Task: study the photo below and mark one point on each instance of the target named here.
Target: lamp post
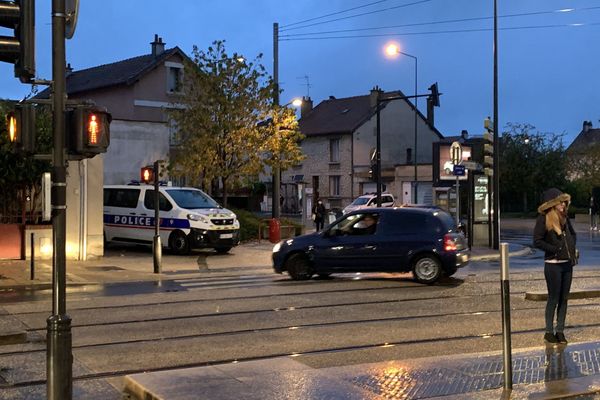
(392, 50)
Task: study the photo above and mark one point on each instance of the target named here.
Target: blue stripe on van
(142, 221)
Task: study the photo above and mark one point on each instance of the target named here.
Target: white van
(189, 218)
(369, 200)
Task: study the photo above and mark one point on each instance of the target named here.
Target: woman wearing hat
(554, 234)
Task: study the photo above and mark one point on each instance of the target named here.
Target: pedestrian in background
(554, 234)
(318, 212)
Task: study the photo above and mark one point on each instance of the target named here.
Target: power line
(359, 15)
(447, 31)
(335, 13)
(441, 22)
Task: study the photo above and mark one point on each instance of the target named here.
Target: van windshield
(191, 199)
(361, 201)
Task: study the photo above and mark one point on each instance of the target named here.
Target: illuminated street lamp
(393, 50)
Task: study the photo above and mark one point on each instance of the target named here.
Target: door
(350, 245)
(120, 213)
(147, 212)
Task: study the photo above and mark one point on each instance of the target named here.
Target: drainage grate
(398, 383)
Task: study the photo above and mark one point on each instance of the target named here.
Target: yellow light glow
(12, 128)
(93, 129)
(392, 49)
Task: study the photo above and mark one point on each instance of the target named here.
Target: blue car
(424, 241)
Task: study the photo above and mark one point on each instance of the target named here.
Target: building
(137, 92)
(340, 140)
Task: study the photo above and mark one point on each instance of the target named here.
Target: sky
(547, 70)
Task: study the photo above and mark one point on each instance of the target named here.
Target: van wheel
(178, 243)
(427, 269)
(299, 267)
(222, 250)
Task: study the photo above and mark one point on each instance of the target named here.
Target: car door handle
(131, 213)
(370, 247)
(144, 214)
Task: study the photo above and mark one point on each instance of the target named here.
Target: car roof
(411, 210)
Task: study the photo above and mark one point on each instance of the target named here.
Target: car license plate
(226, 235)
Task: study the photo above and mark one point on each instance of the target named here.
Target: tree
(222, 102)
(530, 162)
(281, 138)
(584, 170)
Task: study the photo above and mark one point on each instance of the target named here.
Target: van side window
(163, 203)
(126, 198)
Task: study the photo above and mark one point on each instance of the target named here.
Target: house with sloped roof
(340, 139)
(137, 92)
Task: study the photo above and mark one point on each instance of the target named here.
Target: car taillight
(450, 243)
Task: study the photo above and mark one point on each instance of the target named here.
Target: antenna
(307, 84)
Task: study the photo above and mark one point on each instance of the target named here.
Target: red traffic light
(93, 129)
(147, 174)
(89, 131)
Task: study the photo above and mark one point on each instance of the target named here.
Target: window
(126, 198)
(334, 150)
(334, 185)
(174, 78)
(409, 223)
(163, 203)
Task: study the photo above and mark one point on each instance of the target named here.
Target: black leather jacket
(555, 246)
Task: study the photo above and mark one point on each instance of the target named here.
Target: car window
(387, 199)
(402, 223)
(357, 224)
(126, 198)
(447, 221)
(361, 201)
(163, 203)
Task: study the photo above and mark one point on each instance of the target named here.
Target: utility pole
(496, 176)
(59, 359)
(276, 168)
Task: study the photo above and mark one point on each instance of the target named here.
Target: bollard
(506, 343)
(32, 259)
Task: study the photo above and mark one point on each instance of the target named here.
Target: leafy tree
(20, 175)
(223, 100)
(530, 162)
(584, 170)
(281, 138)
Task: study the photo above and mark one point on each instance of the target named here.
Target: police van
(189, 218)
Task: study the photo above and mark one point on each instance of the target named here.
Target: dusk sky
(548, 56)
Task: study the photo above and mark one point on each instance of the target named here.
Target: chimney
(376, 92)
(464, 134)
(306, 107)
(68, 69)
(158, 46)
(587, 125)
(430, 115)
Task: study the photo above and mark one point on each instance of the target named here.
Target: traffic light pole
(496, 176)
(59, 360)
(276, 209)
(157, 246)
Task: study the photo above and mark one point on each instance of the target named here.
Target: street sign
(456, 153)
(459, 170)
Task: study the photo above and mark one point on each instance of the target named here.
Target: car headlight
(277, 247)
(196, 217)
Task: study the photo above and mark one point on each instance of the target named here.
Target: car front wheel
(299, 267)
(178, 243)
(427, 269)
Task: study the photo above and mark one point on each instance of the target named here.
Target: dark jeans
(319, 224)
(558, 280)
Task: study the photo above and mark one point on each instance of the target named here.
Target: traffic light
(20, 126)
(147, 174)
(488, 147)
(373, 172)
(89, 131)
(435, 95)
(19, 49)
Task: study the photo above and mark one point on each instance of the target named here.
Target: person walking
(319, 215)
(554, 234)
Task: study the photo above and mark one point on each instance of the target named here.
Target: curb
(496, 255)
(13, 338)
(573, 295)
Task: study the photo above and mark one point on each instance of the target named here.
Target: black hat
(551, 198)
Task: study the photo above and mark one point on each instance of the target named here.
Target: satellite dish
(71, 11)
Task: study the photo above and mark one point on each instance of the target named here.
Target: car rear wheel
(299, 267)
(427, 269)
(178, 243)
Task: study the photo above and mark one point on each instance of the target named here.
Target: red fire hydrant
(274, 230)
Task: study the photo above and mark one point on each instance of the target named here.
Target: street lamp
(392, 50)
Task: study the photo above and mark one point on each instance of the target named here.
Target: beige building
(340, 138)
(137, 92)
